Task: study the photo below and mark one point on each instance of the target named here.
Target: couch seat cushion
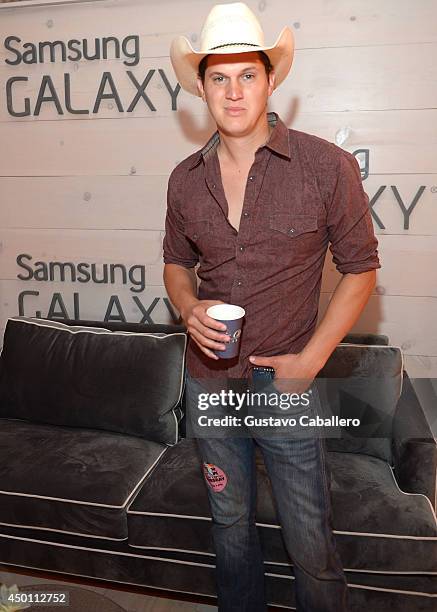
(377, 526)
(69, 479)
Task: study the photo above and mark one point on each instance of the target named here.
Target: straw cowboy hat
(230, 28)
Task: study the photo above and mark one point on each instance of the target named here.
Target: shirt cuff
(358, 268)
(185, 263)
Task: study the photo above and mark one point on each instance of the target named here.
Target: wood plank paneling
(113, 147)
(92, 202)
(140, 251)
(138, 201)
(321, 80)
(422, 366)
(409, 322)
(406, 320)
(92, 187)
(134, 246)
(84, 301)
(408, 267)
(344, 23)
(401, 256)
(154, 146)
(318, 23)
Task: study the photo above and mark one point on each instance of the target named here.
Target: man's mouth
(234, 110)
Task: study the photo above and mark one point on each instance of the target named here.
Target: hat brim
(185, 60)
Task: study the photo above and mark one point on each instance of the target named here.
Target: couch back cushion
(81, 376)
(363, 382)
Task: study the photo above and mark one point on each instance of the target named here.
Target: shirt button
(195, 236)
(291, 230)
(251, 178)
(239, 283)
(213, 185)
(245, 214)
(241, 248)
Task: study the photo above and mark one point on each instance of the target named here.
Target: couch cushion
(364, 382)
(78, 376)
(71, 480)
(363, 338)
(131, 326)
(377, 526)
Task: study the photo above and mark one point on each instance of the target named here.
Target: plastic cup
(232, 317)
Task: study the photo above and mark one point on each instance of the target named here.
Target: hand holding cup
(231, 316)
(208, 333)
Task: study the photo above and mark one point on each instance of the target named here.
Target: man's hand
(293, 373)
(204, 330)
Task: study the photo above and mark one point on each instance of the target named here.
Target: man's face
(236, 90)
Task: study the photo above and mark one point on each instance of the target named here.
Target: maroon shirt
(303, 193)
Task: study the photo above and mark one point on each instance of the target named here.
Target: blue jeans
(300, 480)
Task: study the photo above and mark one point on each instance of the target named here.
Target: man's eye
(249, 75)
(217, 79)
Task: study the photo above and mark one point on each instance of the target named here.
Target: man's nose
(234, 90)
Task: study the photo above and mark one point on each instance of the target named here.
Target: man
(256, 208)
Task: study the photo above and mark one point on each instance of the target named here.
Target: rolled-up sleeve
(353, 243)
(177, 249)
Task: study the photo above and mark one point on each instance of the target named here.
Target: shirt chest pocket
(294, 238)
(198, 232)
(207, 236)
(293, 226)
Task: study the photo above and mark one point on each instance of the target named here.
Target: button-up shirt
(302, 195)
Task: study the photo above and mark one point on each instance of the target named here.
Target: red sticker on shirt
(215, 477)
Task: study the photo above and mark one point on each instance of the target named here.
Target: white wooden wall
(91, 188)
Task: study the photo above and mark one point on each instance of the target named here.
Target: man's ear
(200, 88)
(271, 79)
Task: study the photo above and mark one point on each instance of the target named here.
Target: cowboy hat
(230, 28)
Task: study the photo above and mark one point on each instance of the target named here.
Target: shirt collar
(278, 141)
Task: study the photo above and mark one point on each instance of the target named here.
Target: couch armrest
(414, 447)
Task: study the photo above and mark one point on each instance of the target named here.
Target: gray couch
(98, 479)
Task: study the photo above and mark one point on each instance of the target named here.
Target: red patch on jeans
(215, 477)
